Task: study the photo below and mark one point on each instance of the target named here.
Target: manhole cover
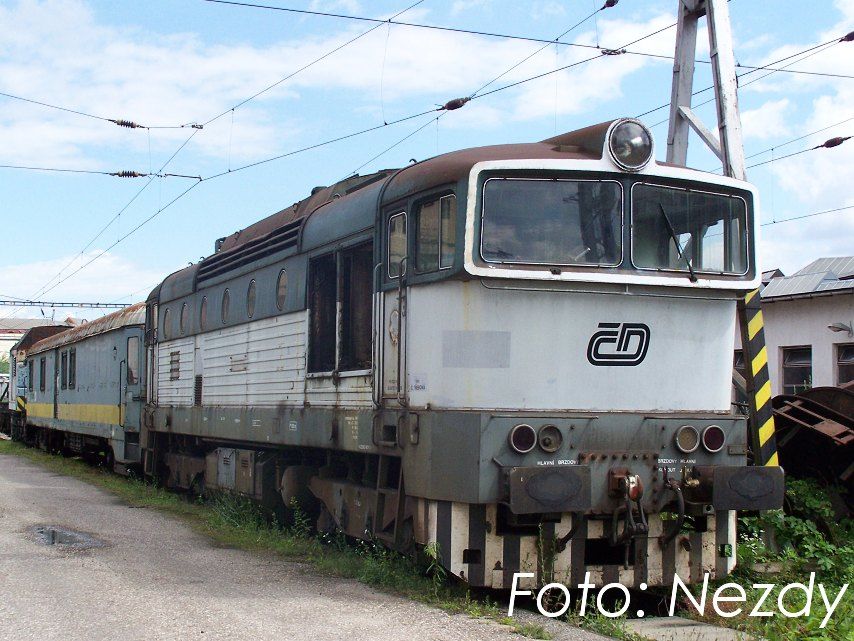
(65, 538)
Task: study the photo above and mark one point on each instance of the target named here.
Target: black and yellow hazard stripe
(22, 404)
(758, 380)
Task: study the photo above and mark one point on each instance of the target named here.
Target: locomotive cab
(578, 362)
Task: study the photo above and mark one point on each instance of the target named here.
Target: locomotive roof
(348, 206)
(131, 315)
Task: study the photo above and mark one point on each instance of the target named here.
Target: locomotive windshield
(552, 222)
(686, 230)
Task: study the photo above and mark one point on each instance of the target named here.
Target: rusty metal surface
(583, 144)
(131, 315)
(34, 335)
(816, 433)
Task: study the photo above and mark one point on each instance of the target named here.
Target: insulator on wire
(848, 37)
(456, 103)
(128, 174)
(612, 52)
(833, 142)
(608, 4)
(127, 123)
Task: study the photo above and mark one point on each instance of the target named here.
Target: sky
(169, 64)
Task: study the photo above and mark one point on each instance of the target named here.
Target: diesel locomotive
(520, 354)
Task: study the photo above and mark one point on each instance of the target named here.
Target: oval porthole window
(250, 299)
(226, 301)
(166, 319)
(185, 317)
(203, 313)
(281, 289)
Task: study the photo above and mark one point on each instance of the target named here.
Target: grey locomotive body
(520, 354)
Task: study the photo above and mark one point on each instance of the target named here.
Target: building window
(435, 234)
(30, 377)
(42, 373)
(167, 330)
(226, 302)
(203, 313)
(63, 372)
(797, 369)
(185, 318)
(133, 360)
(72, 368)
(844, 364)
(396, 244)
(250, 299)
(281, 289)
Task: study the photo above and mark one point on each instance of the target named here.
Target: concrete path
(679, 629)
(154, 578)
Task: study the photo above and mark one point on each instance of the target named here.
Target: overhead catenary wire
(115, 174)
(196, 129)
(827, 144)
(812, 215)
(768, 66)
(789, 142)
(312, 63)
(491, 34)
(450, 105)
(120, 122)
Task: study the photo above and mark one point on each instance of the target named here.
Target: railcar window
(30, 377)
(133, 360)
(226, 302)
(185, 318)
(72, 368)
(63, 372)
(797, 369)
(448, 230)
(845, 364)
(167, 328)
(203, 313)
(434, 234)
(281, 289)
(250, 299)
(396, 244)
(551, 222)
(356, 267)
(672, 228)
(322, 301)
(42, 373)
(340, 297)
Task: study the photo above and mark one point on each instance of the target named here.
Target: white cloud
(766, 121)
(56, 51)
(110, 278)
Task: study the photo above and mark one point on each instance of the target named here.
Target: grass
(237, 522)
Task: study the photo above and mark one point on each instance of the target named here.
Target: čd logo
(618, 344)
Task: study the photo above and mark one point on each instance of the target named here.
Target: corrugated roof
(841, 266)
(132, 315)
(822, 275)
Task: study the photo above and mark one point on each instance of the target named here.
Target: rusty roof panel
(131, 315)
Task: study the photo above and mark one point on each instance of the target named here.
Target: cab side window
(435, 235)
(396, 244)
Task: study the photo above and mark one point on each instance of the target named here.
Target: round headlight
(687, 439)
(523, 438)
(630, 144)
(550, 438)
(713, 438)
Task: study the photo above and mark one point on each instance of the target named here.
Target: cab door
(393, 317)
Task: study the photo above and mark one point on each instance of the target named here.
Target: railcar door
(393, 301)
(131, 385)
